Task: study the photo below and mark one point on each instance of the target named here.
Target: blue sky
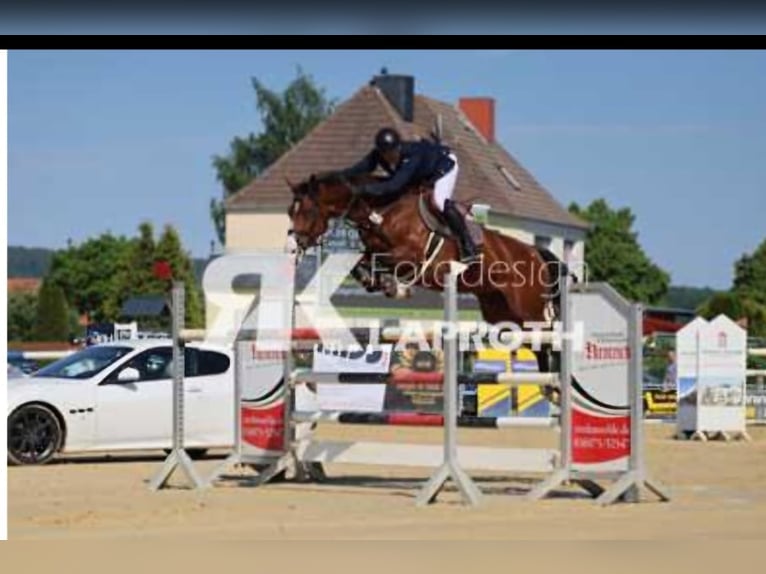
(102, 140)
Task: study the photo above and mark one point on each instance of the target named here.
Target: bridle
(362, 224)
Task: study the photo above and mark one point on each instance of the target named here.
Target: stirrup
(468, 259)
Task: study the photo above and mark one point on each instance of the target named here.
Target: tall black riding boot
(468, 251)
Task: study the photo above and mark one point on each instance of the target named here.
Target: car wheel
(34, 435)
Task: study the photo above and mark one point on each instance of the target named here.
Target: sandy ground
(718, 489)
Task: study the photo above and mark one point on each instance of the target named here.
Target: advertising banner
(710, 378)
(600, 373)
(352, 359)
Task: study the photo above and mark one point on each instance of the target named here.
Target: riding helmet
(387, 139)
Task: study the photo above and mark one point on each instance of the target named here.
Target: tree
(722, 303)
(750, 275)
(613, 254)
(28, 261)
(52, 322)
(286, 117)
(136, 270)
(87, 273)
(747, 297)
(99, 275)
(685, 297)
(736, 307)
(169, 249)
(22, 316)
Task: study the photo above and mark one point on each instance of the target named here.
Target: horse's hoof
(391, 293)
(403, 293)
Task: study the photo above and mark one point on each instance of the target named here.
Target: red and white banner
(262, 395)
(600, 390)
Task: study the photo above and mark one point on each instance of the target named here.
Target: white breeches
(445, 185)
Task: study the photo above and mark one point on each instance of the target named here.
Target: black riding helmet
(387, 139)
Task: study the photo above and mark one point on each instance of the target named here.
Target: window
(568, 250)
(212, 363)
(542, 242)
(152, 365)
(84, 364)
(509, 177)
(191, 362)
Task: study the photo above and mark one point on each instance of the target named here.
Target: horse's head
(316, 201)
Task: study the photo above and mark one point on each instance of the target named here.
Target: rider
(415, 162)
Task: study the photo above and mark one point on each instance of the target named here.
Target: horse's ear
(289, 183)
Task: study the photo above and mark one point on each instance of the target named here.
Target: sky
(103, 140)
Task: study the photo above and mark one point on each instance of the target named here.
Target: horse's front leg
(378, 279)
(363, 274)
(396, 279)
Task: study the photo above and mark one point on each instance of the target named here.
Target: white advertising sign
(710, 378)
(352, 359)
(341, 397)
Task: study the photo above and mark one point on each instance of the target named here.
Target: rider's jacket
(419, 162)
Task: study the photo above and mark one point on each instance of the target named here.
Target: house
(24, 285)
(31, 285)
(519, 206)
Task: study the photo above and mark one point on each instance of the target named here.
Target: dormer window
(510, 178)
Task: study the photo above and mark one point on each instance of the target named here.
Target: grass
(403, 313)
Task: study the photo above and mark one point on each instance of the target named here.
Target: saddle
(434, 221)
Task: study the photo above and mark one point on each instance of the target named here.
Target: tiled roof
(488, 174)
(23, 284)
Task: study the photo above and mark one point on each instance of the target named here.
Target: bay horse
(513, 281)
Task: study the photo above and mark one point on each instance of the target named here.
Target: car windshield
(14, 372)
(84, 364)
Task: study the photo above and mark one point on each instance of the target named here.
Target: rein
(364, 223)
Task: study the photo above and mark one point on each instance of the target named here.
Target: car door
(137, 415)
(209, 386)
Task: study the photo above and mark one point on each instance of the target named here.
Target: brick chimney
(481, 113)
(399, 91)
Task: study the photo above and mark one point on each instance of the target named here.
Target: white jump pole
(178, 456)
(450, 467)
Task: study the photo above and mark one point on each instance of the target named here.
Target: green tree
(136, 270)
(75, 329)
(286, 118)
(750, 275)
(87, 272)
(747, 297)
(685, 297)
(169, 249)
(613, 254)
(736, 307)
(722, 303)
(28, 261)
(22, 316)
(52, 322)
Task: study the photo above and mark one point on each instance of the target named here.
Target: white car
(118, 396)
(15, 373)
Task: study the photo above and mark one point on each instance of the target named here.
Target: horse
(513, 281)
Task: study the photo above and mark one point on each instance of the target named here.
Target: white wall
(256, 230)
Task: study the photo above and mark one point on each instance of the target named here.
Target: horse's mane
(335, 178)
(308, 186)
